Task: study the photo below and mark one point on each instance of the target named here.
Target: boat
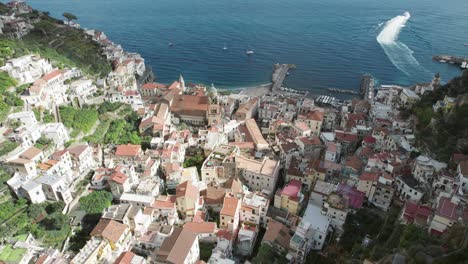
(466, 44)
(224, 47)
(170, 44)
(249, 52)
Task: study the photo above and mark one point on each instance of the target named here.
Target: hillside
(444, 133)
(64, 45)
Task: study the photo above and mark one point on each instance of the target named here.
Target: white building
(254, 208)
(57, 133)
(28, 68)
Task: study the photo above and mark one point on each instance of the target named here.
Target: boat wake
(399, 54)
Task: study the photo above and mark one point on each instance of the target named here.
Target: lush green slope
(444, 133)
(64, 45)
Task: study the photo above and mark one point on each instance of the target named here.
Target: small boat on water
(225, 47)
(466, 44)
(170, 44)
(249, 52)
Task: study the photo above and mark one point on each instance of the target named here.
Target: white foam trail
(399, 54)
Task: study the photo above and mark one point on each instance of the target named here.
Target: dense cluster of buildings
(273, 162)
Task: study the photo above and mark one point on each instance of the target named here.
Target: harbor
(462, 62)
(280, 71)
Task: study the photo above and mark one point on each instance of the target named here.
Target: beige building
(258, 175)
(314, 120)
(187, 198)
(229, 215)
(257, 137)
(220, 165)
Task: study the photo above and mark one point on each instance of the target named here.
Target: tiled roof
(187, 189)
(128, 150)
(201, 227)
(30, 153)
(109, 229)
(230, 206)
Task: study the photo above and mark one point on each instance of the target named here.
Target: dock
(280, 71)
(345, 91)
(462, 62)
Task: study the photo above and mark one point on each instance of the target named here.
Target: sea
(331, 42)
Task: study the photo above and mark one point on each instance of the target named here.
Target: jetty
(367, 87)
(462, 62)
(345, 91)
(280, 71)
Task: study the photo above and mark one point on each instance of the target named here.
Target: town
(119, 168)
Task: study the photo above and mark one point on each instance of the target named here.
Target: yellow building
(290, 197)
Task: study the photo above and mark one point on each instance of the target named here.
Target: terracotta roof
(153, 86)
(164, 202)
(128, 150)
(182, 246)
(369, 139)
(315, 115)
(450, 210)
(214, 195)
(52, 75)
(125, 258)
(345, 137)
(191, 105)
(224, 233)
(30, 153)
(130, 92)
(109, 229)
(354, 162)
(77, 150)
(187, 189)
(230, 206)
(118, 177)
(413, 211)
(309, 141)
(277, 233)
(201, 227)
(369, 176)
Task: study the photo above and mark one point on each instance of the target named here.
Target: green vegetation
(96, 202)
(6, 82)
(109, 107)
(4, 176)
(124, 131)
(444, 133)
(69, 16)
(206, 250)
(17, 218)
(80, 119)
(7, 146)
(48, 117)
(64, 45)
(42, 142)
(194, 157)
(267, 254)
(99, 133)
(7, 99)
(10, 255)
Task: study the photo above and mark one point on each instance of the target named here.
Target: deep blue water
(332, 42)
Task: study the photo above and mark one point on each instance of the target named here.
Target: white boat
(170, 44)
(225, 47)
(249, 52)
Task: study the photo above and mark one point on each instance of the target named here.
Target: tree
(55, 207)
(267, 254)
(69, 16)
(96, 202)
(56, 221)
